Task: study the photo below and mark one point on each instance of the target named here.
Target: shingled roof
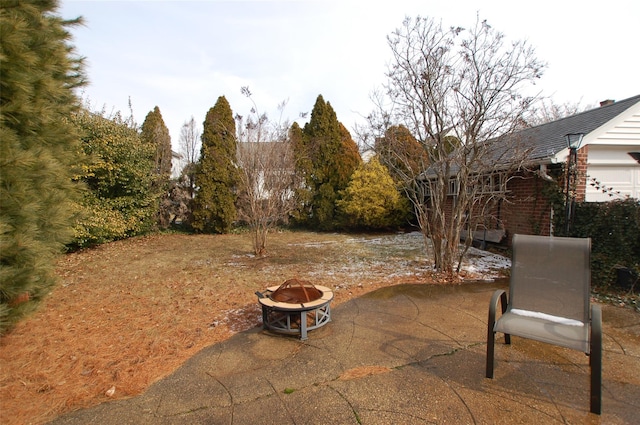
(547, 140)
(543, 143)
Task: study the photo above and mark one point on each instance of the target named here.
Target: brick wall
(526, 209)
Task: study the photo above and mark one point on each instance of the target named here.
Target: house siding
(610, 165)
(623, 130)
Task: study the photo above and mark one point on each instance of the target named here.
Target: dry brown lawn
(128, 313)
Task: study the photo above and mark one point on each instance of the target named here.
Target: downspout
(542, 172)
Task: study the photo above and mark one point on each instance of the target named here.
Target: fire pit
(295, 307)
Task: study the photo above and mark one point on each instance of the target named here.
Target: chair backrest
(551, 275)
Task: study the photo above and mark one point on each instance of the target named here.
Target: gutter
(542, 173)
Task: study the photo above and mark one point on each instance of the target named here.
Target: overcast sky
(182, 55)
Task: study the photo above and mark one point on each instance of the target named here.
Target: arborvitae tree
(372, 200)
(156, 134)
(332, 157)
(121, 200)
(39, 150)
(214, 208)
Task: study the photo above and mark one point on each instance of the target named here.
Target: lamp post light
(573, 143)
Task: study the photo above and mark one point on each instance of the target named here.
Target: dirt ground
(127, 314)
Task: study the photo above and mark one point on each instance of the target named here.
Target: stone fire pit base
(295, 318)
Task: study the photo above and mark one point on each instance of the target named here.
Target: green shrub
(614, 229)
(120, 200)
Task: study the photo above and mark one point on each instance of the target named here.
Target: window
(454, 187)
(488, 184)
(493, 183)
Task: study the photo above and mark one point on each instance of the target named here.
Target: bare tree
(546, 111)
(267, 178)
(457, 92)
(190, 151)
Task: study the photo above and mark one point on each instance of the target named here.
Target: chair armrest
(498, 295)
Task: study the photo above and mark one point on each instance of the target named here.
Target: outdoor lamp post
(573, 143)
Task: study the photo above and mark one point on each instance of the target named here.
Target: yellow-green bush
(372, 200)
(120, 200)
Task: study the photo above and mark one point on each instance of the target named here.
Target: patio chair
(549, 301)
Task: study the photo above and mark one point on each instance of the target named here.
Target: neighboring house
(608, 162)
(268, 166)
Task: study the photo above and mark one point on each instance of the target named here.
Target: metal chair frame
(548, 326)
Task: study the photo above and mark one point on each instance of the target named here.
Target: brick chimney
(607, 102)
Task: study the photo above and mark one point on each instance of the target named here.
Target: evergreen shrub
(614, 229)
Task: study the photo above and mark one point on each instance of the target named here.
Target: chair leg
(491, 335)
(595, 360)
(490, 348)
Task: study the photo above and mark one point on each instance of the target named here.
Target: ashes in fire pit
(295, 307)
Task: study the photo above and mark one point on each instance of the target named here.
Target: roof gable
(547, 140)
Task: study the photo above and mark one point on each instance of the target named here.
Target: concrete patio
(408, 354)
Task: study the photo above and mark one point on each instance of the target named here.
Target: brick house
(608, 167)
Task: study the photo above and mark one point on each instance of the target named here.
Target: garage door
(606, 180)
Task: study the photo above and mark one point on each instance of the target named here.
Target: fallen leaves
(128, 313)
